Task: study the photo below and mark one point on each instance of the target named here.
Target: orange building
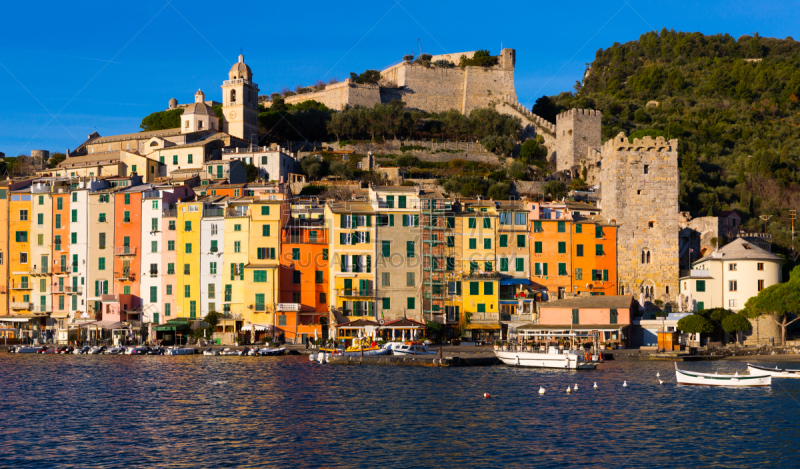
(573, 256)
(63, 267)
(127, 247)
(304, 279)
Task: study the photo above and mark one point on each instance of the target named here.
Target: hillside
(732, 103)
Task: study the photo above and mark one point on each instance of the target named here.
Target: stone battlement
(658, 144)
(578, 112)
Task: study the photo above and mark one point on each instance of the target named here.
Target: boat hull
(775, 373)
(179, 351)
(367, 353)
(707, 379)
(544, 360)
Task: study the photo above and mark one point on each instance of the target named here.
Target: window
(189, 248)
(169, 289)
(487, 243)
(40, 239)
(101, 263)
(562, 247)
(237, 246)
(187, 269)
(170, 245)
(411, 303)
(578, 273)
(127, 199)
(73, 238)
(172, 225)
(318, 276)
(260, 276)
(192, 309)
(732, 266)
(473, 222)
(562, 268)
(473, 243)
(153, 246)
(487, 267)
(323, 298)
(324, 254)
(646, 256)
(520, 265)
(576, 318)
(474, 288)
(212, 268)
(562, 227)
(540, 268)
(700, 285)
(520, 241)
(22, 236)
(598, 232)
(386, 303)
(537, 227)
(191, 160)
(760, 266)
(503, 264)
(487, 222)
(646, 168)
(733, 285)
(503, 241)
(214, 246)
(187, 291)
(59, 203)
(488, 288)
(521, 219)
(481, 307)
(58, 220)
(102, 218)
(731, 303)
(451, 241)
(126, 217)
(598, 249)
(410, 251)
(578, 228)
(214, 229)
(760, 285)
(537, 247)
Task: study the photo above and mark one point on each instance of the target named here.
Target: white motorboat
(211, 352)
(96, 350)
(268, 352)
(716, 379)
(229, 352)
(774, 372)
(25, 349)
(412, 349)
(320, 357)
(553, 358)
(116, 350)
(81, 350)
(136, 350)
(179, 351)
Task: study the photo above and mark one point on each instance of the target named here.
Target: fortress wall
(432, 89)
(363, 95)
(487, 85)
(395, 73)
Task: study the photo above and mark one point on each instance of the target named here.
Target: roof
(582, 206)
(508, 205)
(591, 302)
(394, 189)
(574, 327)
(202, 141)
(91, 159)
(739, 249)
(240, 66)
(404, 322)
(351, 207)
(358, 323)
(138, 136)
(199, 108)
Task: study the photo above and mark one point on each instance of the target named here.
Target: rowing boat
(774, 372)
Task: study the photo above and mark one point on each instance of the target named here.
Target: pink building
(607, 317)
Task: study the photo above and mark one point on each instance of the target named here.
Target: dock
(427, 361)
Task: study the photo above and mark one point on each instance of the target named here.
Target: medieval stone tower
(639, 184)
(577, 130)
(240, 102)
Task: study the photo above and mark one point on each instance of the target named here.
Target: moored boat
(142, 350)
(553, 358)
(716, 379)
(412, 348)
(24, 349)
(774, 372)
(269, 352)
(179, 351)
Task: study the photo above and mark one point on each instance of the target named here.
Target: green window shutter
(481, 307)
(578, 274)
(520, 241)
(324, 254)
(409, 249)
(401, 201)
(488, 288)
(153, 294)
(598, 232)
(474, 288)
(487, 267)
(487, 243)
(578, 228)
(701, 305)
(451, 222)
(473, 266)
(405, 219)
(473, 222)
(233, 271)
(562, 227)
(386, 303)
(265, 230)
(537, 247)
(342, 221)
(411, 302)
(562, 247)
(473, 243)
(598, 249)
(265, 210)
(241, 271)
(579, 250)
(562, 268)
(701, 285)
(451, 241)
(369, 264)
(605, 275)
(386, 248)
(613, 317)
(520, 265)
(487, 222)
(503, 264)
(537, 227)
(576, 319)
(544, 268)
(295, 254)
(101, 263)
(369, 220)
(127, 199)
(503, 241)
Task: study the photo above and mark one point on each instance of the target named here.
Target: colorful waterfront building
(262, 279)
(212, 255)
(19, 227)
(513, 262)
(169, 258)
(41, 247)
(127, 253)
(101, 256)
(352, 281)
(188, 259)
(304, 272)
(61, 248)
(237, 244)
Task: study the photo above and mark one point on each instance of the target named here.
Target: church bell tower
(240, 103)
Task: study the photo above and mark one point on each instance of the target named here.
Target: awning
(59, 315)
(257, 327)
(103, 325)
(14, 319)
(485, 327)
(515, 281)
(173, 325)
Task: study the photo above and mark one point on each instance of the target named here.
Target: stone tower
(577, 130)
(639, 183)
(240, 102)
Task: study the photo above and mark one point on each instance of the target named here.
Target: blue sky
(67, 69)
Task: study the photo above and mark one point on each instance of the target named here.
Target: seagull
(569, 390)
(660, 382)
(658, 375)
(625, 384)
(576, 386)
(541, 390)
(595, 385)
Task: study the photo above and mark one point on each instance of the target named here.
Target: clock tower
(240, 103)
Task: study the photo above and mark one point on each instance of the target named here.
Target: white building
(212, 245)
(152, 268)
(730, 276)
(273, 165)
(79, 248)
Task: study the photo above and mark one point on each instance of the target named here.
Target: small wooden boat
(774, 372)
(269, 352)
(716, 379)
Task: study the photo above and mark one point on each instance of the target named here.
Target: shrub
(555, 189)
(482, 58)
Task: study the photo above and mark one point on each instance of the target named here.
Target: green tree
(313, 167)
(342, 170)
(518, 170)
(533, 149)
(56, 158)
(735, 323)
(695, 324)
(499, 191)
(252, 172)
(555, 189)
(162, 120)
(499, 144)
(778, 302)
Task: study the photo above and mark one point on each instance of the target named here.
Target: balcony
(485, 318)
(354, 292)
(21, 286)
(73, 289)
(43, 270)
(124, 275)
(236, 213)
(289, 307)
(153, 194)
(213, 212)
(40, 308)
(125, 251)
(169, 213)
(409, 205)
(18, 305)
(62, 270)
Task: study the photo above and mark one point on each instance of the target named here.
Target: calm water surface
(197, 411)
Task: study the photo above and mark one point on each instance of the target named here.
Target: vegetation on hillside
(162, 120)
(733, 105)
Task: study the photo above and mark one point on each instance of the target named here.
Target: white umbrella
(393, 333)
(404, 335)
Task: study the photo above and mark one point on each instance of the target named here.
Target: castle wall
(484, 86)
(430, 89)
(635, 199)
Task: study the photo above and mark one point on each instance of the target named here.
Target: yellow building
(480, 303)
(262, 276)
(108, 163)
(19, 263)
(187, 294)
(352, 274)
(237, 244)
(476, 229)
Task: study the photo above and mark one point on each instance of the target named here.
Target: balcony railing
(125, 251)
(409, 205)
(169, 213)
(520, 317)
(43, 270)
(485, 317)
(355, 292)
(21, 305)
(40, 308)
(213, 212)
(289, 306)
(124, 275)
(73, 289)
(21, 286)
(236, 214)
